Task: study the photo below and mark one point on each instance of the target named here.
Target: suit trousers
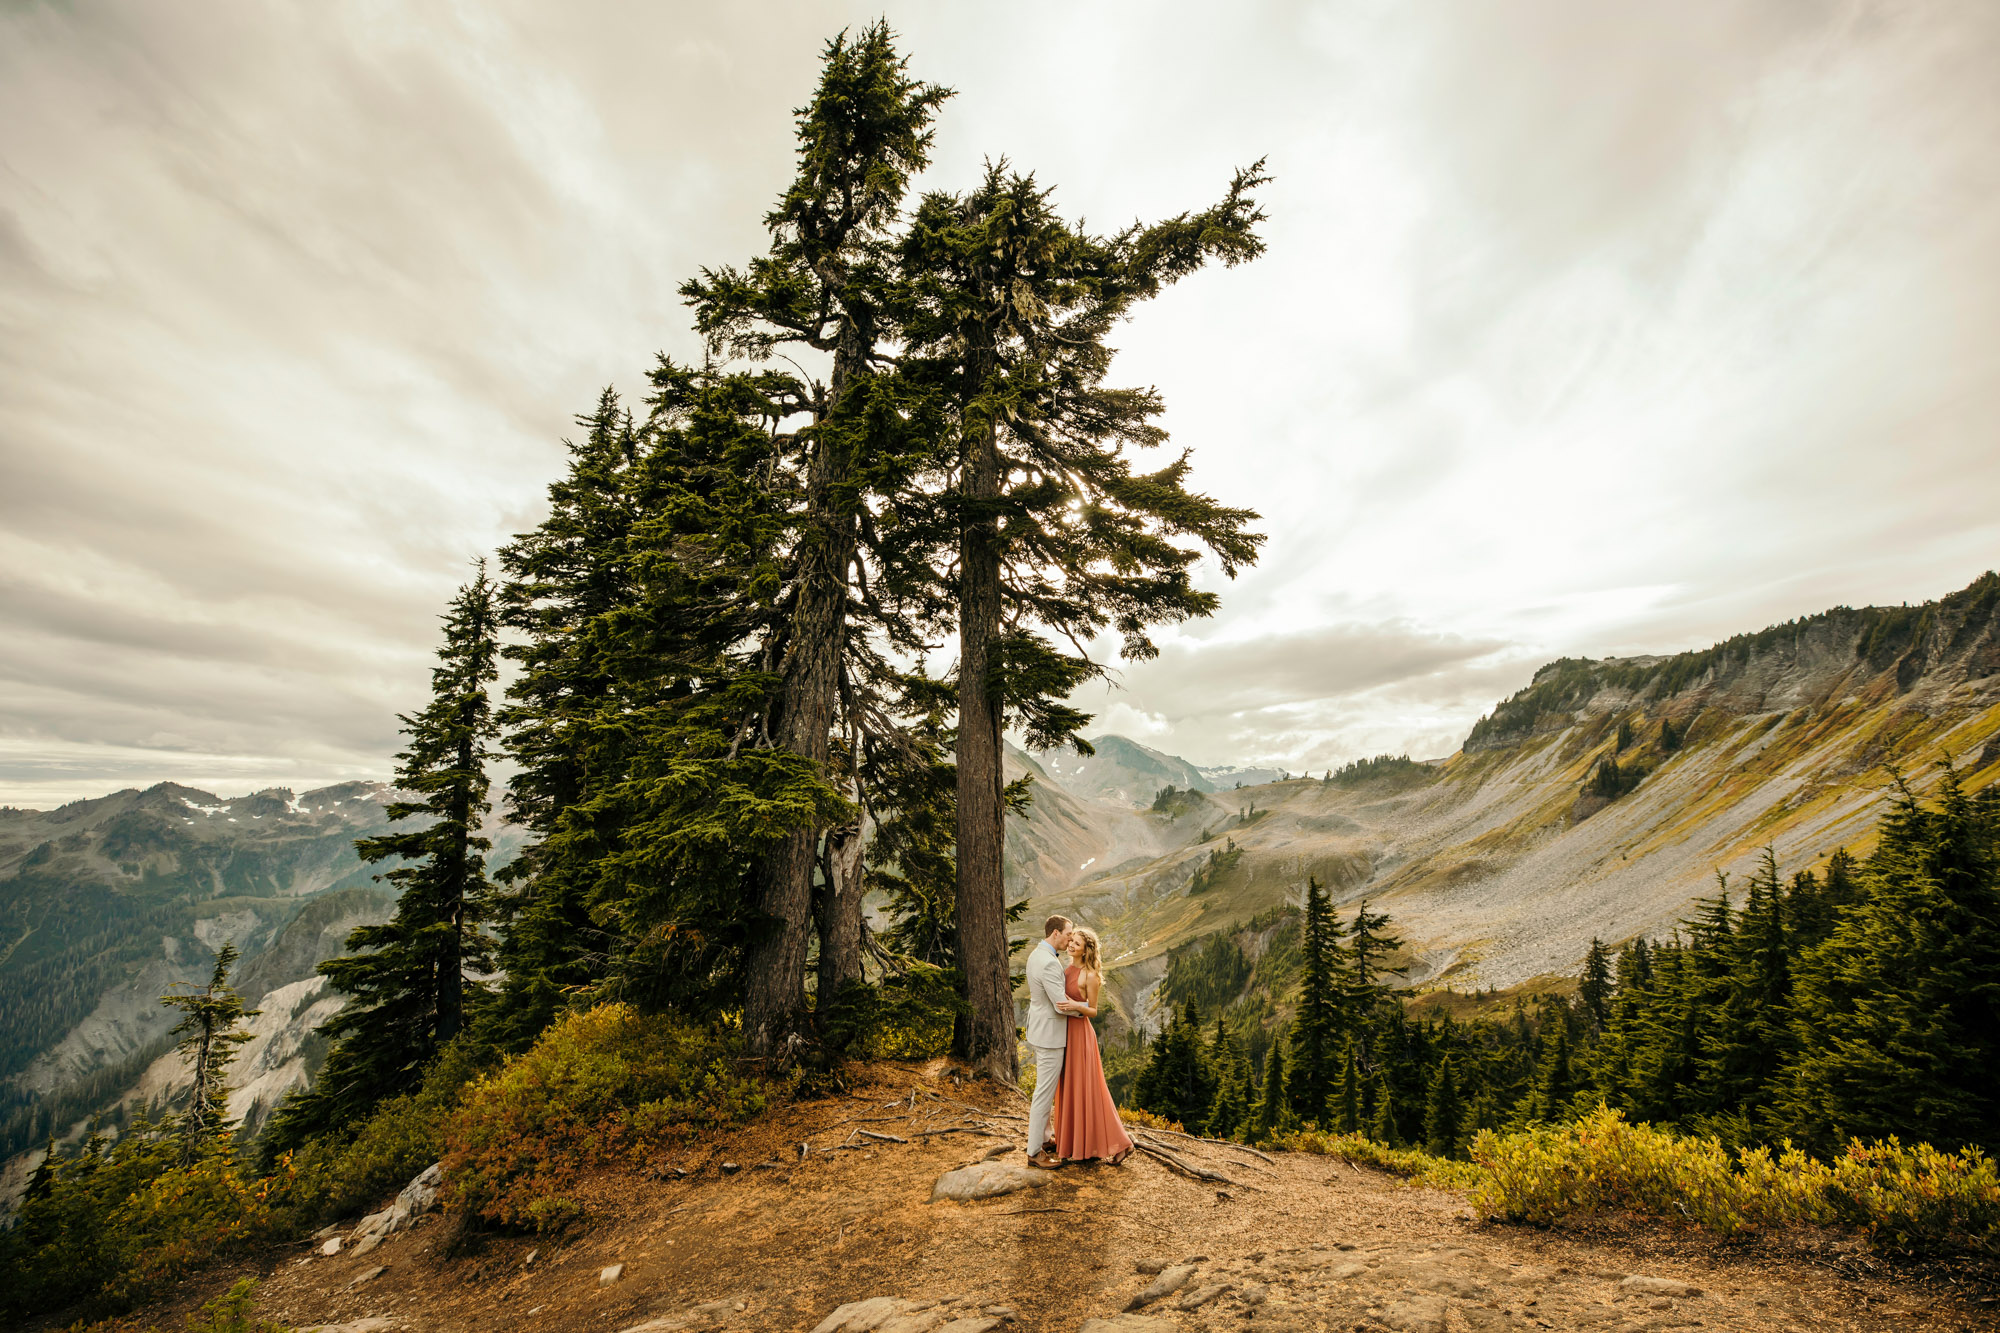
(1048, 1071)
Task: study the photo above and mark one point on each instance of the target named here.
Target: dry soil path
(784, 1241)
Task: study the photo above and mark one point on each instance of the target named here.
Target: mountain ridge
(1500, 864)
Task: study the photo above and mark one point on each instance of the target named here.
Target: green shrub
(906, 1017)
(595, 1087)
(1420, 1166)
(1902, 1198)
(111, 1225)
(339, 1177)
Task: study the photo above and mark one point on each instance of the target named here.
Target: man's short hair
(1054, 924)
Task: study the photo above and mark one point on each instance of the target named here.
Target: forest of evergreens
(1858, 1001)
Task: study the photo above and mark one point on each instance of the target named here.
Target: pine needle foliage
(412, 979)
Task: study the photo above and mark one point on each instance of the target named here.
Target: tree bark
(450, 962)
(775, 963)
(840, 912)
(988, 1036)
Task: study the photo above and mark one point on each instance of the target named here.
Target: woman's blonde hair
(1086, 950)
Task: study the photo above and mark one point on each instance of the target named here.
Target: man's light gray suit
(1048, 1037)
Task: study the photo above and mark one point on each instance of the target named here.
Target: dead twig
(1188, 1169)
(885, 1138)
(1023, 1212)
(1220, 1143)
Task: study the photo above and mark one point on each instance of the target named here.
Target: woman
(1085, 1120)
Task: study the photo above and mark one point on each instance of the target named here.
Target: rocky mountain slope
(107, 904)
(1498, 863)
(1124, 772)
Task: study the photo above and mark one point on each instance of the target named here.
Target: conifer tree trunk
(982, 895)
(839, 913)
(774, 997)
(776, 964)
(450, 955)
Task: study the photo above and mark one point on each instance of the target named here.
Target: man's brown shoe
(1046, 1160)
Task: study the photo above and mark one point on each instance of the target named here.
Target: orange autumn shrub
(596, 1087)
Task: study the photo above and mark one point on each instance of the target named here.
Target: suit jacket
(1046, 1026)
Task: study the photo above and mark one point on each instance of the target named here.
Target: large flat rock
(987, 1180)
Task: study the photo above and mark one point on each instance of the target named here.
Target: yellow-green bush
(1902, 1197)
(340, 1177)
(1420, 1166)
(596, 1086)
(114, 1223)
(1915, 1198)
(1144, 1119)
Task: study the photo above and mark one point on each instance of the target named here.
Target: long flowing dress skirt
(1085, 1121)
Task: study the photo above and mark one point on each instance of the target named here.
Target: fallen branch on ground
(1022, 1212)
(1220, 1143)
(886, 1138)
(1185, 1168)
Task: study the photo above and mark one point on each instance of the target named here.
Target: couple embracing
(1072, 1117)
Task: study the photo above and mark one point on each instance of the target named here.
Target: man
(1048, 1032)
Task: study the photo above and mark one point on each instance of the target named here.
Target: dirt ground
(1304, 1243)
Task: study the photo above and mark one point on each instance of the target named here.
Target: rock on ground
(1163, 1286)
(1130, 1323)
(863, 1316)
(417, 1198)
(986, 1180)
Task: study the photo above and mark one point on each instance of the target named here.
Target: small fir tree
(1444, 1117)
(1382, 1122)
(1595, 988)
(409, 975)
(1230, 1112)
(1349, 1121)
(1316, 1027)
(208, 1042)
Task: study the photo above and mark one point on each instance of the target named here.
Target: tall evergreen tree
(208, 1042)
(1750, 1040)
(1231, 1108)
(1045, 529)
(1370, 948)
(1555, 1078)
(1178, 1082)
(1316, 1026)
(1382, 1125)
(1594, 987)
(1444, 1116)
(826, 285)
(1272, 1115)
(1348, 1120)
(570, 573)
(1899, 1010)
(408, 977)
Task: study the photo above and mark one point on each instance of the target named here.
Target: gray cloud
(1584, 328)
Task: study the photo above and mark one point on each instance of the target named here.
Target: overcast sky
(1585, 328)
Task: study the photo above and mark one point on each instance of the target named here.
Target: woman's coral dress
(1085, 1120)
